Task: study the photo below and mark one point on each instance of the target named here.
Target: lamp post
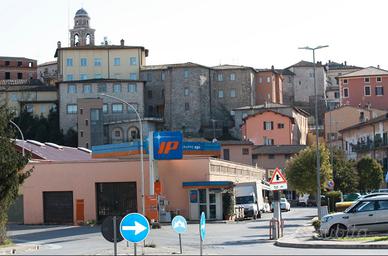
(21, 134)
(141, 146)
(316, 129)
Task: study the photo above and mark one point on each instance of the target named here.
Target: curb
(331, 246)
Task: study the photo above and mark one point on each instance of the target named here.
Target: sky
(256, 33)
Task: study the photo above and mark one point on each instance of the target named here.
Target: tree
(301, 170)
(11, 164)
(370, 173)
(344, 172)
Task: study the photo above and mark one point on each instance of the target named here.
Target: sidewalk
(18, 248)
(304, 238)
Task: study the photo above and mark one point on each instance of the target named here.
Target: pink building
(365, 87)
(269, 127)
(237, 151)
(68, 186)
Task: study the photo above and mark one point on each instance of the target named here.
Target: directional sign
(202, 226)
(107, 229)
(278, 182)
(386, 178)
(330, 184)
(179, 224)
(134, 227)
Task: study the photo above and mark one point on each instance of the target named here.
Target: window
(7, 62)
(69, 62)
(97, 62)
(233, 93)
(365, 206)
(149, 94)
(220, 77)
(150, 110)
(81, 111)
(132, 61)
(71, 88)
(367, 90)
(232, 77)
(280, 125)
(14, 97)
(311, 75)
(83, 76)
(101, 88)
(86, 122)
(379, 90)
(84, 62)
(117, 133)
(29, 108)
(42, 109)
(271, 156)
(149, 77)
(7, 75)
(132, 76)
(268, 79)
(378, 79)
(287, 156)
(268, 141)
(97, 76)
(81, 133)
(187, 106)
(336, 95)
(20, 75)
(116, 61)
(130, 109)
(187, 92)
(300, 83)
(226, 154)
(105, 108)
(366, 80)
(72, 108)
(87, 88)
(186, 73)
(245, 151)
(162, 94)
(117, 108)
(163, 76)
(69, 77)
(268, 125)
(117, 88)
(345, 81)
(132, 88)
(346, 92)
(382, 205)
(220, 94)
(260, 80)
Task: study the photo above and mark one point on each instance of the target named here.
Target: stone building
(48, 72)
(269, 86)
(17, 68)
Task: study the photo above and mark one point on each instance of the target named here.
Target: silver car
(367, 214)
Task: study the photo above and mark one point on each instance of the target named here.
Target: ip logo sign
(168, 145)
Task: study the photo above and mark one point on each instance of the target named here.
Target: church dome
(81, 12)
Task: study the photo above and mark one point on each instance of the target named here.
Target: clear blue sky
(257, 33)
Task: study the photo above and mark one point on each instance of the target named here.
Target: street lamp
(316, 129)
(141, 146)
(21, 134)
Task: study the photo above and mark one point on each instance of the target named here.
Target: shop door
(58, 207)
(212, 206)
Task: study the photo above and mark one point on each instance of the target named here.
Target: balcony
(369, 145)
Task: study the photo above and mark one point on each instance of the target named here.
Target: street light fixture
(21, 134)
(141, 146)
(316, 129)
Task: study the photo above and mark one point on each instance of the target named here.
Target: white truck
(250, 196)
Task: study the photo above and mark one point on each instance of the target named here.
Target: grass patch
(6, 243)
(365, 238)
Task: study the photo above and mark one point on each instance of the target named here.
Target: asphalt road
(246, 237)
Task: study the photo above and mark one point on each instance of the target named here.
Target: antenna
(68, 21)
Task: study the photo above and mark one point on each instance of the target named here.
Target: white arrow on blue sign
(134, 227)
(202, 226)
(179, 224)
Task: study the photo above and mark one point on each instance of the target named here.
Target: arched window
(88, 39)
(117, 135)
(76, 40)
(133, 133)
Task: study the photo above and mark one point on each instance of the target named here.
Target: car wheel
(338, 230)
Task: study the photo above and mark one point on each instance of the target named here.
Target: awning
(207, 184)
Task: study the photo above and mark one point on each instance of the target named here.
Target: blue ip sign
(179, 224)
(202, 226)
(168, 145)
(134, 227)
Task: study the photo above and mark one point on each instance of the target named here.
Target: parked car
(303, 200)
(312, 201)
(367, 214)
(375, 194)
(284, 205)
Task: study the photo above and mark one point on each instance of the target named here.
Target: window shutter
(271, 125)
(264, 125)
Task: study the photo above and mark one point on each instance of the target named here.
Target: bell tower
(81, 34)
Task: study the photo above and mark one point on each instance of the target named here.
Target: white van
(250, 196)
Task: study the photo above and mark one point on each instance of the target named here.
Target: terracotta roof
(268, 105)
(369, 71)
(175, 65)
(235, 142)
(28, 85)
(261, 111)
(100, 80)
(47, 63)
(231, 67)
(15, 58)
(100, 47)
(371, 121)
(277, 149)
(304, 63)
(335, 65)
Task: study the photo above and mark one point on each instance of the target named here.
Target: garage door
(115, 198)
(58, 207)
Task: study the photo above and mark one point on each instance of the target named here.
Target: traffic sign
(278, 181)
(330, 184)
(134, 227)
(202, 226)
(107, 229)
(179, 224)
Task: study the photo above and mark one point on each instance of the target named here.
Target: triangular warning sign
(277, 177)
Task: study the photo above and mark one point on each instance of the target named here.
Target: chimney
(345, 62)
(122, 42)
(105, 40)
(59, 44)
(378, 66)
(272, 68)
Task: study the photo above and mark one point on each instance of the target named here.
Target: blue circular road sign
(134, 227)
(202, 226)
(179, 224)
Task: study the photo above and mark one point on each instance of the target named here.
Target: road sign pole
(114, 236)
(180, 243)
(134, 249)
(276, 213)
(200, 246)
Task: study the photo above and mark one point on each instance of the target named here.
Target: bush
(333, 197)
(316, 224)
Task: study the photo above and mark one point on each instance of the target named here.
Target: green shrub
(316, 224)
(333, 197)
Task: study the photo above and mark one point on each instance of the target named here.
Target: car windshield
(244, 200)
(283, 200)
